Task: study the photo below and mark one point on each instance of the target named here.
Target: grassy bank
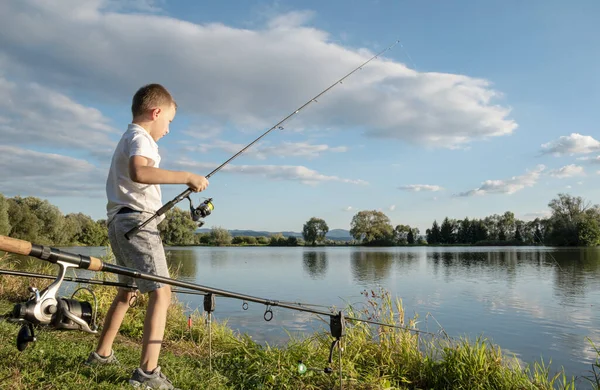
(373, 358)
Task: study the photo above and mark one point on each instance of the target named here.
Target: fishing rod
(122, 285)
(85, 281)
(206, 207)
(70, 260)
(46, 308)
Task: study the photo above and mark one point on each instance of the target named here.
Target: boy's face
(162, 117)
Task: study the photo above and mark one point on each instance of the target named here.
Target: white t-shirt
(120, 189)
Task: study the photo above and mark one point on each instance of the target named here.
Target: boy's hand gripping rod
(186, 193)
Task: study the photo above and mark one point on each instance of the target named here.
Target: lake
(536, 302)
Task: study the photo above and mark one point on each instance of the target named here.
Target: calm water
(534, 302)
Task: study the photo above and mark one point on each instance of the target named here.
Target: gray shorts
(143, 251)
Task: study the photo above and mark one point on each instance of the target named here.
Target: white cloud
(574, 143)
(203, 131)
(567, 171)
(226, 146)
(592, 160)
(274, 172)
(30, 173)
(34, 115)
(421, 187)
(507, 186)
(133, 5)
(244, 77)
(349, 208)
(392, 207)
(299, 149)
(285, 149)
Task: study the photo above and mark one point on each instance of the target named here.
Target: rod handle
(14, 245)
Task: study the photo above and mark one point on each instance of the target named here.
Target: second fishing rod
(205, 208)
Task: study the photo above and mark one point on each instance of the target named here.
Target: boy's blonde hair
(150, 96)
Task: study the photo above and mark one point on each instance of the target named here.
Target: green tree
(502, 234)
(277, 239)
(292, 241)
(571, 214)
(202, 238)
(507, 224)
(518, 237)
(24, 223)
(447, 231)
(262, 240)
(464, 234)
(51, 220)
(401, 233)
(410, 237)
(478, 231)
(76, 223)
(4, 220)
(492, 226)
(94, 233)
(220, 236)
(434, 235)
(314, 230)
(250, 240)
(177, 228)
(588, 231)
(568, 208)
(369, 226)
(36, 220)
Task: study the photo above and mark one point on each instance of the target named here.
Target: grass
(373, 357)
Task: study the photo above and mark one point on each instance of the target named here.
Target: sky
(480, 108)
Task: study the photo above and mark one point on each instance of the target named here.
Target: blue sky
(485, 107)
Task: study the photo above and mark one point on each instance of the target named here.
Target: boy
(133, 192)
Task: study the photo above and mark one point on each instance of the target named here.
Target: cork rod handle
(14, 245)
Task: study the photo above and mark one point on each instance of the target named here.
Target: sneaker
(156, 380)
(94, 358)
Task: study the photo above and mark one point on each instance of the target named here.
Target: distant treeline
(572, 222)
(38, 221)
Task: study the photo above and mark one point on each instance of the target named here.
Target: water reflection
(472, 264)
(371, 267)
(183, 263)
(577, 270)
(406, 261)
(315, 264)
(218, 258)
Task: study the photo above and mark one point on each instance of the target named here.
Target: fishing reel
(202, 211)
(45, 308)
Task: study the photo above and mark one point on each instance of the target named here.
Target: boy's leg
(145, 252)
(120, 304)
(112, 323)
(154, 327)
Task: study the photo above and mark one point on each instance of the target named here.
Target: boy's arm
(142, 171)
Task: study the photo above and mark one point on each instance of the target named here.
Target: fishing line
(408, 55)
(185, 194)
(550, 253)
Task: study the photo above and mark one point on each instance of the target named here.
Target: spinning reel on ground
(202, 211)
(45, 308)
